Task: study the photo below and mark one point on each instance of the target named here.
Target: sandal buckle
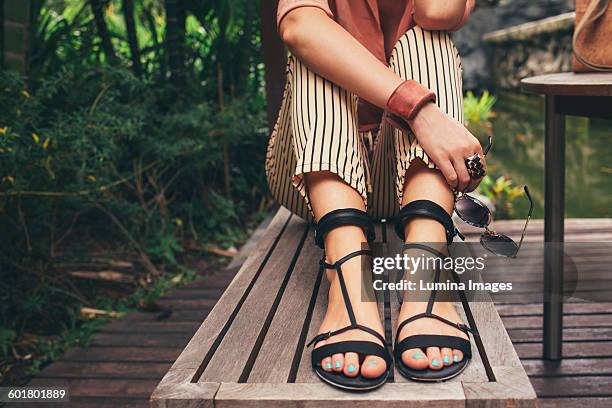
(318, 338)
(465, 328)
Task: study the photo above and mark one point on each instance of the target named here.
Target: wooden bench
(250, 351)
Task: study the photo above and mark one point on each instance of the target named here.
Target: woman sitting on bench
(371, 127)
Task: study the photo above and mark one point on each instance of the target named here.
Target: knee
(439, 15)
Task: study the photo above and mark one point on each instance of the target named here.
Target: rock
(491, 15)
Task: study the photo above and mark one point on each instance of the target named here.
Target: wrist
(409, 98)
(424, 116)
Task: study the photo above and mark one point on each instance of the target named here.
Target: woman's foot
(336, 317)
(433, 357)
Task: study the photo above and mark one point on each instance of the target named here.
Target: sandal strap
(363, 348)
(432, 340)
(342, 217)
(460, 326)
(324, 336)
(423, 341)
(338, 267)
(429, 209)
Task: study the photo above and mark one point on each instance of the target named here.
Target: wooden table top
(570, 84)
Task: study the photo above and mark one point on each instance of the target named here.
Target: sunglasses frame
(491, 233)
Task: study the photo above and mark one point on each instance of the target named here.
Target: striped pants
(317, 128)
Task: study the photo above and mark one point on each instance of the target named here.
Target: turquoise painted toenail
(418, 355)
(446, 359)
(328, 366)
(373, 363)
(338, 364)
(455, 358)
(350, 368)
(435, 363)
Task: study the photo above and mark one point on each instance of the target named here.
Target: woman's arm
(333, 53)
(447, 15)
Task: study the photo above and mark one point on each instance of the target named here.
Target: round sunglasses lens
(499, 244)
(472, 212)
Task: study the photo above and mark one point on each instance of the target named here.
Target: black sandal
(429, 209)
(330, 221)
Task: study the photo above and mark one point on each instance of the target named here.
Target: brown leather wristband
(409, 98)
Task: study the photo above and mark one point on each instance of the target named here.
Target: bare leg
(423, 183)
(327, 192)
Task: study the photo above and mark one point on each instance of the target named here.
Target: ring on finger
(475, 166)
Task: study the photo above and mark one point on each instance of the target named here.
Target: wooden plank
(231, 359)
(570, 350)
(123, 370)
(141, 340)
(571, 321)
(213, 327)
(101, 402)
(569, 334)
(107, 387)
(152, 327)
(273, 364)
(439, 395)
(188, 304)
(569, 367)
(121, 354)
(176, 391)
(575, 402)
(591, 386)
(512, 389)
(569, 309)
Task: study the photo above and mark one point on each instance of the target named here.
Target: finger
(473, 184)
(463, 177)
(448, 171)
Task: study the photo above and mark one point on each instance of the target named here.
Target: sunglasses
(476, 213)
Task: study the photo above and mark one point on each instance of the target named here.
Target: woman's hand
(448, 143)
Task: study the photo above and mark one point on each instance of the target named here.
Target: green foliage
(96, 159)
(479, 111)
(503, 193)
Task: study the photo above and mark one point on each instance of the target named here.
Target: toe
(351, 364)
(457, 356)
(326, 363)
(373, 367)
(415, 358)
(435, 358)
(447, 356)
(338, 362)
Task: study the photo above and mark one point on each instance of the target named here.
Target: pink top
(377, 24)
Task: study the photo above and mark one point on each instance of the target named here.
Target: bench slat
(211, 328)
(230, 359)
(273, 364)
(316, 395)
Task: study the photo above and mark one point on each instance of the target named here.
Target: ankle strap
(429, 209)
(342, 217)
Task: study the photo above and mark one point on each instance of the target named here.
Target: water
(518, 152)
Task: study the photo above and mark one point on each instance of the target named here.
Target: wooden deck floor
(127, 358)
